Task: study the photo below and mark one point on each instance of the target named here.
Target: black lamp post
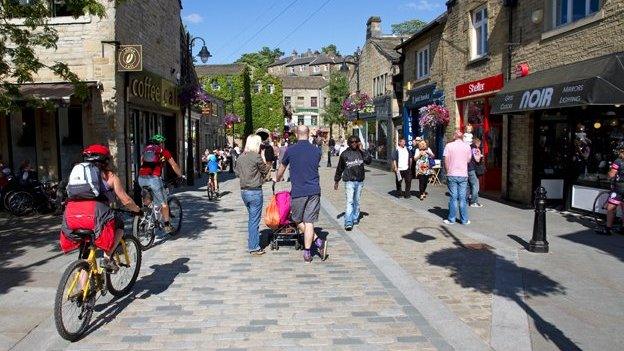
(203, 55)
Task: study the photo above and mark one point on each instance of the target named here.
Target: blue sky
(233, 27)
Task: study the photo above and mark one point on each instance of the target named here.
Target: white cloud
(424, 5)
(194, 18)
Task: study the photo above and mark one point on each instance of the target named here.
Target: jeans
(353, 191)
(157, 186)
(253, 202)
(457, 187)
(473, 181)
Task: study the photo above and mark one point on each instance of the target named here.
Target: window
(257, 87)
(58, 8)
(215, 85)
(314, 101)
(568, 11)
(271, 88)
(324, 102)
(479, 37)
(316, 69)
(300, 120)
(314, 121)
(422, 63)
(325, 68)
(286, 100)
(300, 101)
(301, 68)
(291, 70)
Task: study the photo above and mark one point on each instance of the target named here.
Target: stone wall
(520, 171)
(437, 71)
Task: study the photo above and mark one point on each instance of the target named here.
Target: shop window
(23, 135)
(479, 37)
(422, 63)
(314, 101)
(371, 137)
(474, 110)
(382, 140)
(568, 11)
(314, 121)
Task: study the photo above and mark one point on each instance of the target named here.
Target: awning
(598, 81)
(49, 91)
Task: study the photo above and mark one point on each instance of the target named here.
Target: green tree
(408, 27)
(18, 44)
(261, 59)
(330, 49)
(338, 90)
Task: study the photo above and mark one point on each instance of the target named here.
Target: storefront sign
(130, 58)
(151, 90)
(479, 87)
(558, 96)
(424, 95)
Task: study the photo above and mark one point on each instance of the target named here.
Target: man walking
(401, 166)
(351, 170)
(331, 144)
(456, 157)
(303, 159)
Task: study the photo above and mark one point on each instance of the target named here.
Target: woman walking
(423, 157)
(252, 169)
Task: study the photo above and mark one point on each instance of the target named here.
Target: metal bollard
(538, 242)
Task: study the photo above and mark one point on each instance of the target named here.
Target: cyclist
(616, 199)
(91, 210)
(212, 168)
(153, 161)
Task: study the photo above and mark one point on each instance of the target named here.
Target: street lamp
(204, 54)
(231, 89)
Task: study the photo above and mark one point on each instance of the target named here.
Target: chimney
(309, 53)
(294, 54)
(373, 27)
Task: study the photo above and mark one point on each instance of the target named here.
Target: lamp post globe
(204, 54)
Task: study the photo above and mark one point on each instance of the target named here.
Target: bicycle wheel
(600, 207)
(175, 213)
(71, 314)
(7, 197)
(210, 192)
(120, 282)
(141, 230)
(21, 203)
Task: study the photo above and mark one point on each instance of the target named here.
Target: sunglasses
(353, 141)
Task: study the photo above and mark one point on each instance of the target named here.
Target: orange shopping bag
(272, 215)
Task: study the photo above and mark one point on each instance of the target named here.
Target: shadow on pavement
(461, 261)
(419, 237)
(439, 211)
(519, 240)
(612, 245)
(362, 215)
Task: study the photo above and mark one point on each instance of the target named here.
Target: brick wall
(437, 70)
(520, 171)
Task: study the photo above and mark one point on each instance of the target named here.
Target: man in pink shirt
(456, 157)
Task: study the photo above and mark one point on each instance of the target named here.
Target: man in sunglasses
(351, 170)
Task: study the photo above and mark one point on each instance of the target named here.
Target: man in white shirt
(401, 166)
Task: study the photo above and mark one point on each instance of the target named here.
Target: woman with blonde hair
(422, 159)
(252, 169)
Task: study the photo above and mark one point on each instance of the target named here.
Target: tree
(18, 43)
(261, 59)
(338, 90)
(330, 49)
(408, 27)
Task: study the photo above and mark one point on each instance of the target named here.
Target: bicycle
(83, 279)
(599, 208)
(211, 188)
(144, 227)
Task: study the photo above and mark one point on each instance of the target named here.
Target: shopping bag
(272, 214)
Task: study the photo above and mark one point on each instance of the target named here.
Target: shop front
(153, 108)
(474, 106)
(575, 123)
(418, 98)
(374, 129)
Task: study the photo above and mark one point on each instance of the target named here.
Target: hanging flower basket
(231, 119)
(355, 103)
(432, 116)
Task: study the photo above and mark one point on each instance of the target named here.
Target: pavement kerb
(459, 335)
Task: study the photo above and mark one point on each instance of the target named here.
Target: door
(491, 181)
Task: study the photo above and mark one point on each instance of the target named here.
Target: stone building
(376, 70)
(122, 110)
(306, 98)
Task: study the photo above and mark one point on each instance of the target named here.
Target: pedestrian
(251, 169)
(476, 168)
(351, 170)
(422, 165)
(331, 144)
(303, 159)
(401, 166)
(456, 157)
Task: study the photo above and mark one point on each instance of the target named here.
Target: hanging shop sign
(151, 90)
(130, 58)
(480, 87)
(521, 70)
(425, 95)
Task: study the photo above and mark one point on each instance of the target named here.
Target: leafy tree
(330, 49)
(338, 90)
(18, 44)
(408, 27)
(261, 59)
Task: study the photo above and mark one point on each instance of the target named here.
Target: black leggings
(423, 180)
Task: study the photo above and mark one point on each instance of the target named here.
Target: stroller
(286, 231)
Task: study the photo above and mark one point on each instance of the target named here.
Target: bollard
(538, 242)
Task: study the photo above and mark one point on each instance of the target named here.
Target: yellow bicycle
(84, 279)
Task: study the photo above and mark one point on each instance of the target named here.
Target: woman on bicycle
(212, 168)
(616, 174)
(107, 224)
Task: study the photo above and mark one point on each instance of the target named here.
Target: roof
(313, 82)
(429, 26)
(281, 61)
(386, 46)
(213, 70)
(301, 61)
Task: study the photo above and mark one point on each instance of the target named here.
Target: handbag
(431, 162)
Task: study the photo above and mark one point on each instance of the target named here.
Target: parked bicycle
(34, 197)
(85, 278)
(144, 227)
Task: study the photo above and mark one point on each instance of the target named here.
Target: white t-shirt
(403, 161)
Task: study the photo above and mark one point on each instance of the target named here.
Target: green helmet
(159, 138)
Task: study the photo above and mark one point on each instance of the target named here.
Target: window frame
(482, 39)
(313, 101)
(570, 12)
(420, 65)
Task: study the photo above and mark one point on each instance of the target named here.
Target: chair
(434, 179)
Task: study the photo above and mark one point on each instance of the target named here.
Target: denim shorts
(157, 186)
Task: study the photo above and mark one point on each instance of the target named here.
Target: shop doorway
(491, 181)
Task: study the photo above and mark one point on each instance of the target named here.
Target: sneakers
(320, 244)
(467, 222)
(258, 252)
(446, 221)
(307, 256)
(348, 227)
(476, 204)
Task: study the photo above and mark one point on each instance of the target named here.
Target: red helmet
(96, 153)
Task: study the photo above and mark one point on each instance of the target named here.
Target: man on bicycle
(212, 168)
(153, 161)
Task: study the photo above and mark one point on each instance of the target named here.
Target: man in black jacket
(351, 170)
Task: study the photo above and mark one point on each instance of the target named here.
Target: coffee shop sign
(153, 89)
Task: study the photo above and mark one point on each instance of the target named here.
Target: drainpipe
(510, 44)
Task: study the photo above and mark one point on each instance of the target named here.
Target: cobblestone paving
(424, 248)
(202, 290)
